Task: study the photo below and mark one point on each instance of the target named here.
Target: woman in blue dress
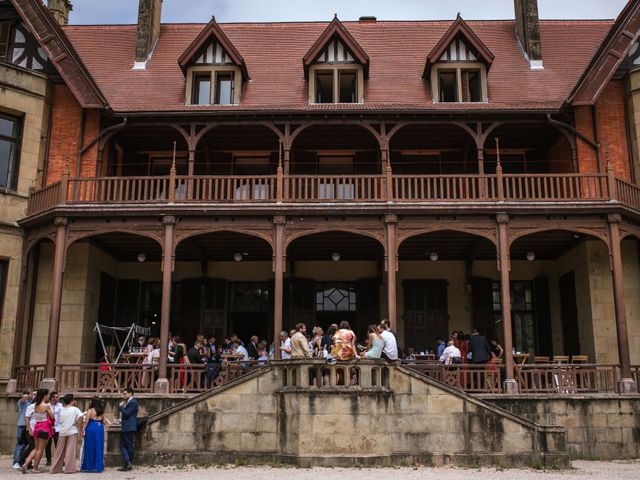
(93, 447)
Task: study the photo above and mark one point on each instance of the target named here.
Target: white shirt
(68, 421)
(56, 414)
(285, 344)
(390, 347)
(243, 351)
(450, 352)
(29, 413)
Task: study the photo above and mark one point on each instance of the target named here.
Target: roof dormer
(457, 66)
(214, 68)
(336, 66)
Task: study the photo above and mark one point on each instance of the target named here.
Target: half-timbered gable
(335, 52)
(214, 68)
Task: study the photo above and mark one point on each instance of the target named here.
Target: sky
(200, 11)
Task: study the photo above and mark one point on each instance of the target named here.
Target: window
(522, 315)
(201, 89)
(4, 268)
(9, 151)
(336, 297)
(5, 34)
(336, 86)
(459, 82)
(324, 87)
(224, 88)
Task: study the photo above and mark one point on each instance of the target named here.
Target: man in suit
(479, 348)
(252, 348)
(128, 427)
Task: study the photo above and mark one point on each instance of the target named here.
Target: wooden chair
(561, 359)
(541, 359)
(580, 359)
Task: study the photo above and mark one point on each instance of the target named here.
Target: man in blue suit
(128, 427)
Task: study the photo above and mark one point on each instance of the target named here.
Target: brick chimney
(60, 10)
(528, 31)
(149, 12)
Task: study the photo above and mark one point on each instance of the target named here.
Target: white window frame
(335, 68)
(213, 71)
(458, 67)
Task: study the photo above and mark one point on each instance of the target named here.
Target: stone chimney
(149, 12)
(60, 10)
(528, 31)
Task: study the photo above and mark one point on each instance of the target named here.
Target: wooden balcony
(341, 189)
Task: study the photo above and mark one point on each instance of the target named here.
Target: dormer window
(214, 69)
(457, 66)
(336, 67)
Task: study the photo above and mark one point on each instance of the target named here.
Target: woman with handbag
(42, 431)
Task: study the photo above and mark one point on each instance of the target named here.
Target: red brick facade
(612, 133)
(66, 119)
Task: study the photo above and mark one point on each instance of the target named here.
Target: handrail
(168, 189)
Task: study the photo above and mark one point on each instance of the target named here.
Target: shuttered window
(5, 35)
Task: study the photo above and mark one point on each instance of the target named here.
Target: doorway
(425, 312)
(569, 314)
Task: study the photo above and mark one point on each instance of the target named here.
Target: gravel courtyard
(619, 470)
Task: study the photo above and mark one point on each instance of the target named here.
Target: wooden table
(428, 356)
(520, 358)
(134, 358)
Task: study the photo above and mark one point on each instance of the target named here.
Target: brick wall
(560, 156)
(66, 119)
(612, 132)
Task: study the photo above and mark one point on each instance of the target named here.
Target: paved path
(583, 470)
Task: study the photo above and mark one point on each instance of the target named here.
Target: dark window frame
(14, 162)
(4, 277)
(195, 89)
(216, 85)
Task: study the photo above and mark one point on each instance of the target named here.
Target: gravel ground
(619, 470)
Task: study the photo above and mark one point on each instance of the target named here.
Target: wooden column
(392, 266)
(504, 265)
(279, 268)
(56, 301)
(627, 384)
(162, 384)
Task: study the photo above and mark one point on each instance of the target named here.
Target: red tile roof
(397, 50)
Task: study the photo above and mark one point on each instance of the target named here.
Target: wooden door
(542, 310)
(300, 302)
(127, 303)
(214, 313)
(482, 297)
(190, 323)
(425, 312)
(569, 314)
(368, 305)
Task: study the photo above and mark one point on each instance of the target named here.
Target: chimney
(528, 31)
(368, 19)
(60, 10)
(149, 12)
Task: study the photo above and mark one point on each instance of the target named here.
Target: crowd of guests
(474, 348)
(49, 423)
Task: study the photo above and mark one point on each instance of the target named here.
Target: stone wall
(598, 426)
(265, 419)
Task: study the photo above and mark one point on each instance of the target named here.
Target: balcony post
(611, 183)
(190, 172)
(168, 259)
(500, 182)
(510, 385)
(483, 180)
(56, 301)
(388, 171)
(391, 222)
(279, 266)
(627, 383)
(172, 180)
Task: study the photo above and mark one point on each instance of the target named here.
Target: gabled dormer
(457, 66)
(336, 67)
(214, 69)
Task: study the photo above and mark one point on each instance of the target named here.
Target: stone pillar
(504, 264)
(627, 384)
(16, 359)
(56, 302)
(391, 222)
(279, 255)
(162, 384)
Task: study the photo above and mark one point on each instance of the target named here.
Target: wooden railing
(29, 376)
(335, 188)
(100, 378)
(468, 377)
(194, 378)
(567, 378)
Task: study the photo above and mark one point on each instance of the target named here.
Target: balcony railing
(280, 189)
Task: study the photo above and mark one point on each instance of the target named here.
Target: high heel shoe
(25, 468)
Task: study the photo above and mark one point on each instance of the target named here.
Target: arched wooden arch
(195, 140)
(461, 125)
(289, 239)
(514, 236)
(73, 237)
(181, 236)
(293, 135)
(31, 242)
(480, 233)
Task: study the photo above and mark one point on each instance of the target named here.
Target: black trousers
(126, 446)
(47, 450)
(32, 445)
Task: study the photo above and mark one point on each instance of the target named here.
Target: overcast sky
(200, 11)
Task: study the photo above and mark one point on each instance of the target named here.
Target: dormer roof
(336, 31)
(459, 43)
(212, 46)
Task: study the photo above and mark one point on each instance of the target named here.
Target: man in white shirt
(390, 348)
(451, 354)
(285, 346)
(70, 420)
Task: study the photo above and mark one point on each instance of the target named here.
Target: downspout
(81, 141)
